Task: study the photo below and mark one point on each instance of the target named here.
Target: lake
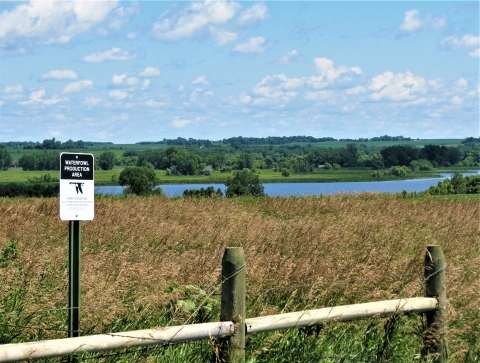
(301, 189)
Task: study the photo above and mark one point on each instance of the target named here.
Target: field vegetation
(155, 261)
(274, 159)
(110, 177)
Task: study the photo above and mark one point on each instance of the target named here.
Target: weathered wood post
(232, 349)
(435, 337)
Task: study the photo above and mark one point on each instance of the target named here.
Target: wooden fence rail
(233, 329)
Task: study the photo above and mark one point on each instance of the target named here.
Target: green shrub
(139, 180)
(202, 192)
(39, 190)
(398, 170)
(244, 182)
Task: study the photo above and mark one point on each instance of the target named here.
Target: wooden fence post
(232, 349)
(435, 337)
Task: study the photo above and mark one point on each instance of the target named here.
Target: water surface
(301, 189)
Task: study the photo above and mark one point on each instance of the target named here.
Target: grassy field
(155, 261)
(96, 150)
(119, 149)
(104, 177)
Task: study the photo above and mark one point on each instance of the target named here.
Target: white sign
(76, 187)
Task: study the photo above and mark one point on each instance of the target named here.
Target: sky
(131, 71)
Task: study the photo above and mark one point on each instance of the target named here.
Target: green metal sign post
(76, 204)
(74, 279)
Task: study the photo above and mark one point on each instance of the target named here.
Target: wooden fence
(233, 328)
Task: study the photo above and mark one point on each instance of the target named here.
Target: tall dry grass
(301, 253)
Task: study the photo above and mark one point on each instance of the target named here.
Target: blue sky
(126, 72)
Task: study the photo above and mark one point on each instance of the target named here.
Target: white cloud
(281, 89)
(254, 45)
(124, 80)
(118, 79)
(1, 103)
(121, 117)
(180, 123)
(413, 22)
(223, 36)
(13, 89)
(256, 12)
(92, 101)
(456, 100)
(79, 86)
(58, 116)
(278, 87)
(118, 18)
(287, 58)
(195, 20)
(328, 74)
(468, 41)
(50, 22)
(194, 95)
(114, 54)
(152, 103)
(245, 99)
(51, 101)
(131, 35)
(461, 83)
(60, 74)
(118, 95)
(150, 72)
(397, 87)
(475, 53)
(355, 90)
(36, 97)
(200, 80)
(318, 95)
(145, 84)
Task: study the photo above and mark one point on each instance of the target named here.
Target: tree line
(269, 140)
(293, 158)
(52, 144)
(296, 158)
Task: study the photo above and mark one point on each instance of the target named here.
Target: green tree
(5, 159)
(285, 172)
(421, 164)
(107, 160)
(244, 161)
(459, 183)
(398, 170)
(244, 182)
(185, 163)
(376, 161)
(139, 180)
(269, 161)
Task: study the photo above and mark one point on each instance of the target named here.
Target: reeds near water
(155, 261)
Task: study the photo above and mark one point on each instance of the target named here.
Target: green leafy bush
(40, 190)
(398, 170)
(244, 182)
(140, 180)
(202, 192)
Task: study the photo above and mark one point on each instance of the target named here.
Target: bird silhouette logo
(78, 187)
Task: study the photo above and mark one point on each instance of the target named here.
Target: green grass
(97, 150)
(104, 177)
